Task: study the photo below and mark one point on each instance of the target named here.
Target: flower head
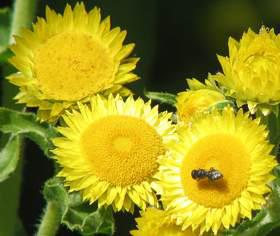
(252, 71)
(234, 145)
(192, 102)
(69, 58)
(155, 222)
(109, 151)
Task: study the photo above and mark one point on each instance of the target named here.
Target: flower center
(122, 150)
(123, 144)
(71, 66)
(225, 153)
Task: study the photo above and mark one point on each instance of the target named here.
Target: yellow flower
(69, 58)
(192, 102)
(155, 222)
(237, 148)
(109, 151)
(252, 71)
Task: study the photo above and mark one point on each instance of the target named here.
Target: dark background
(175, 40)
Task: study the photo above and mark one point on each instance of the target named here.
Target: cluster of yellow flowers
(201, 175)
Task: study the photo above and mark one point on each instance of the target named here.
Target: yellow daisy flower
(109, 151)
(68, 58)
(252, 71)
(199, 98)
(236, 147)
(155, 222)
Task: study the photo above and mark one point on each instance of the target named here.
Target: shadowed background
(175, 40)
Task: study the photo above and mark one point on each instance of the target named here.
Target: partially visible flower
(69, 58)
(155, 222)
(192, 102)
(109, 151)
(252, 70)
(236, 147)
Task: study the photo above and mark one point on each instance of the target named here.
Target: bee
(212, 174)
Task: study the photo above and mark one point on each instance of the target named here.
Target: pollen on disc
(71, 66)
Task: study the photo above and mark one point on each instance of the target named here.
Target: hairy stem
(51, 220)
(23, 14)
(24, 11)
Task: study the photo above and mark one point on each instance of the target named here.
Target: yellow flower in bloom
(192, 102)
(252, 71)
(234, 145)
(109, 151)
(68, 58)
(155, 222)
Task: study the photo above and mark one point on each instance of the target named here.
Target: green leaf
(9, 157)
(266, 219)
(273, 123)
(5, 55)
(222, 104)
(78, 215)
(24, 123)
(162, 97)
(5, 15)
(19, 229)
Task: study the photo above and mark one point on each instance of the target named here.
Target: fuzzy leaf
(266, 219)
(23, 123)
(162, 97)
(78, 215)
(9, 157)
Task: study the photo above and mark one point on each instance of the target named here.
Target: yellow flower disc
(69, 58)
(232, 144)
(109, 151)
(252, 72)
(230, 157)
(115, 145)
(155, 222)
(80, 67)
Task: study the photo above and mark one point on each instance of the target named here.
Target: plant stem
(24, 11)
(23, 14)
(51, 220)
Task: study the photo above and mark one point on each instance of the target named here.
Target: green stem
(51, 220)
(23, 14)
(24, 11)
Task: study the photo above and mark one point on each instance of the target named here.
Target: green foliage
(162, 97)
(273, 123)
(266, 219)
(23, 123)
(5, 55)
(76, 214)
(9, 157)
(221, 105)
(5, 15)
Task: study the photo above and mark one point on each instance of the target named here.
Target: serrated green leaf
(76, 214)
(162, 97)
(266, 219)
(23, 123)
(9, 157)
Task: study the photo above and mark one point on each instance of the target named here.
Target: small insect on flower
(212, 174)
